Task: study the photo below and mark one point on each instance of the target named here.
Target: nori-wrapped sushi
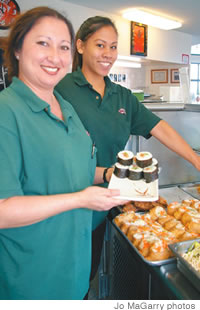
(143, 159)
(125, 158)
(150, 173)
(154, 162)
(135, 172)
(121, 171)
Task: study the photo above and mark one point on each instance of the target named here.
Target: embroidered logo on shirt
(122, 111)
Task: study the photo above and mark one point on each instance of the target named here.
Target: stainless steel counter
(192, 107)
(160, 105)
(165, 106)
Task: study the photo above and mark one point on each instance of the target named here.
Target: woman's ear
(80, 46)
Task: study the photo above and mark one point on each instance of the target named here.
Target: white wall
(77, 14)
(195, 40)
(168, 45)
(162, 45)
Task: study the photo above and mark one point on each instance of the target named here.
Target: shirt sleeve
(10, 164)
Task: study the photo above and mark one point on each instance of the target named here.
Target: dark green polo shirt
(111, 120)
(42, 155)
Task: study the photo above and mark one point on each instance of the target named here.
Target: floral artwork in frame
(138, 39)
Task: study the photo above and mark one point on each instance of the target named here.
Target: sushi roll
(121, 171)
(143, 159)
(125, 158)
(154, 162)
(150, 174)
(135, 172)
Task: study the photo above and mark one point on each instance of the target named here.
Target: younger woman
(110, 112)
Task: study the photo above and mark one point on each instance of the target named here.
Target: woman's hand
(100, 198)
(20, 211)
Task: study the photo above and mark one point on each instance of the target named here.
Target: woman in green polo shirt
(47, 167)
(109, 111)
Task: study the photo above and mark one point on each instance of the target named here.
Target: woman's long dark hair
(19, 29)
(89, 27)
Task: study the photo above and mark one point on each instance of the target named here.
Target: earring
(17, 56)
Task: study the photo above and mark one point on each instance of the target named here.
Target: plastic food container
(184, 267)
(139, 94)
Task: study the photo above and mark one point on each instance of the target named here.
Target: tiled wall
(140, 78)
(133, 78)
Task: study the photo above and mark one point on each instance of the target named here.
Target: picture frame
(174, 76)
(159, 76)
(138, 39)
(9, 11)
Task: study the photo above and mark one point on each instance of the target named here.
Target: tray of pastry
(137, 252)
(188, 260)
(150, 233)
(141, 206)
(171, 194)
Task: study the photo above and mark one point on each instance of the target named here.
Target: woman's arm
(170, 138)
(26, 210)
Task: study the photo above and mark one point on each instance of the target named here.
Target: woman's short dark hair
(86, 30)
(19, 29)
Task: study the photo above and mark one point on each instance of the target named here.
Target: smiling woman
(110, 112)
(99, 101)
(45, 55)
(46, 197)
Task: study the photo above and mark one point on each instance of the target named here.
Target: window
(195, 81)
(195, 73)
(195, 50)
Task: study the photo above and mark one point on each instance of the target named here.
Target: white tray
(135, 190)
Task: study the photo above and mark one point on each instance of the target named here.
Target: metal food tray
(192, 189)
(171, 194)
(174, 193)
(184, 267)
(152, 263)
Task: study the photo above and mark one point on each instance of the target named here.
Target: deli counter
(124, 275)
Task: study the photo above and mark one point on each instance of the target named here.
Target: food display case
(129, 275)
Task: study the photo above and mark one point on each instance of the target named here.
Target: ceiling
(187, 11)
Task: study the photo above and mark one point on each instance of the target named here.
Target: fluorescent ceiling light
(151, 19)
(129, 58)
(128, 64)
